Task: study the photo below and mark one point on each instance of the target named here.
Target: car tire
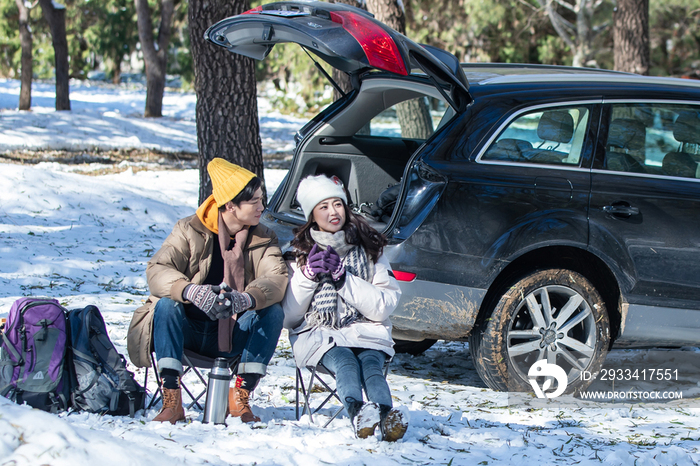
(413, 347)
(553, 314)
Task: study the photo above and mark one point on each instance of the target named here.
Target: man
(215, 287)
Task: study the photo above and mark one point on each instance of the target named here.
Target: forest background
(103, 40)
(84, 39)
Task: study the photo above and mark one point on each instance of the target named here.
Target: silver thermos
(216, 406)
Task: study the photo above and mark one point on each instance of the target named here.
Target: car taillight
(404, 276)
(379, 47)
(257, 9)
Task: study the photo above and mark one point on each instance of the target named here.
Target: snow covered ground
(86, 240)
(103, 116)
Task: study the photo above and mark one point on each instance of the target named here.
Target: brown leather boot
(172, 406)
(238, 405)
(393, 423)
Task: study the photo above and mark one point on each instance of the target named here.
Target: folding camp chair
(307, 389)
(192, 363)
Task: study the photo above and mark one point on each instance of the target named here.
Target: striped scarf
(327, 308)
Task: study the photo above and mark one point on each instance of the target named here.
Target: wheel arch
(562, 257)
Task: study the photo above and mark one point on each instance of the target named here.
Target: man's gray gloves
(218, 302)
(239, 301)
(209, 299)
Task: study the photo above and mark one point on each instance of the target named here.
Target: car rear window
(544, 136)
(416, 118)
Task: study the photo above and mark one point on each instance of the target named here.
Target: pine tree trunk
(155, 54)
(155, 88)
(342, 79)
(413, 115)
(631, 36)
(227, 107)
(117, 69)
(388, 12)
(414, 119)
(27, 67)
(55, 15)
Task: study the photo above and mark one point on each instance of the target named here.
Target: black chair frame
(192, 363)
(332, 391)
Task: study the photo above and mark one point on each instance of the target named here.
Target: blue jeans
(355, 368)
(255, 336)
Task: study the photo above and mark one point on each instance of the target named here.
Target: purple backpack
(34, 347)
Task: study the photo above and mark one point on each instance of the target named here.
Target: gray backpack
(104, 385)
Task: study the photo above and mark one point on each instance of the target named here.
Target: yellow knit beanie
(227, 180)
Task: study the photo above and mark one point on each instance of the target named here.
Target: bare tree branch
(529, 5)
(568, 25)
(559, 25)
(566, 5)
(597, 30)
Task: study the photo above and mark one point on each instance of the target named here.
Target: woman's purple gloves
(314, 263)
(334, 264)
(322, 261)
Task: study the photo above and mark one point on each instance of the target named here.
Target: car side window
(658, 139)
(550, 136)
(416, 118)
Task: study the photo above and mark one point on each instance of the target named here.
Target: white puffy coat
(375, 300)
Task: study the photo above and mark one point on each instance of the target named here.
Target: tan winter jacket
(186, 257)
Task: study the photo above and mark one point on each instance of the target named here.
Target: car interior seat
(509, 149)
(624, 135)
(679, 164)
(683, 163)
(555, 127)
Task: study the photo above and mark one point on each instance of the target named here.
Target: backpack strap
(94, 380)
(44, 332)
(132, 403)
(57, 402)
(63, 400)
(11, 349)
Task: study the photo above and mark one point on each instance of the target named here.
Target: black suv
(541, 212)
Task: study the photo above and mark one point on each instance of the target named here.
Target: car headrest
(556, 125)
(679, 164)
(626, 133)
(686, 129)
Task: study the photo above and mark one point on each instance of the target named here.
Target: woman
(337, 305)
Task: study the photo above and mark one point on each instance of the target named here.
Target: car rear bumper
(435, 310)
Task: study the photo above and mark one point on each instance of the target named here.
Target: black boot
(393, 423)
(353, 407)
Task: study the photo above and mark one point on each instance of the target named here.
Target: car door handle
(620, 209)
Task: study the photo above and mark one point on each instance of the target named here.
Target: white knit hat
(314, 189)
